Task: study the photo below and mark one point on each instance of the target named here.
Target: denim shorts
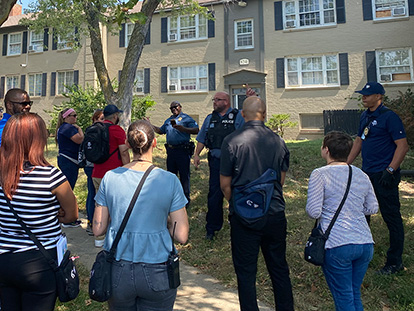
(141, 286)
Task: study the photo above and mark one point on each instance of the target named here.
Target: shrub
(86, 101)
(279, 122)
(403, 105)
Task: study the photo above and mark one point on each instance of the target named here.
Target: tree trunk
(5, 8)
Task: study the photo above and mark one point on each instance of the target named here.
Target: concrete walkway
(198, 291)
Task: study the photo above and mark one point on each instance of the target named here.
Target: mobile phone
(173, 122)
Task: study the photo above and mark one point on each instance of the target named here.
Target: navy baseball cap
(372, 88)
(111, 109)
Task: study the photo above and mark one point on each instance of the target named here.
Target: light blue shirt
(175, 137)
(202, 135)
(146, 237)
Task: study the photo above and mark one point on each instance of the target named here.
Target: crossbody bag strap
(128, 212)
(42, 249)
(328, 231)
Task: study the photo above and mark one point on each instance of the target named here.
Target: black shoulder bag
(315, 246)
(67, 278)
(100, 281)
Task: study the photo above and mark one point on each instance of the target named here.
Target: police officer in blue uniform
(217, 125)
(178, 127)
(383, 142)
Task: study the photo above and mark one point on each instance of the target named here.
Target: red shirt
(117, 137)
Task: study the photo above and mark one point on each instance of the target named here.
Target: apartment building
(301, 56)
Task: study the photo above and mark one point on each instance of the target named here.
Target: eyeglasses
(73, 115)
(30, 103)
(173, 108)
(218, 99)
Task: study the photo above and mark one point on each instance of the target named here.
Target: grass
(386, 293)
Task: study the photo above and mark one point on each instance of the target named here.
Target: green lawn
(394, 293)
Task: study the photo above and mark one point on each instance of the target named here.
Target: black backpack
(95, 145)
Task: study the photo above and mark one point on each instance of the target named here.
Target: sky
(24, 3)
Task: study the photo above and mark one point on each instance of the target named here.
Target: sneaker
(89, 230)
(391, 269)
(99, 241)
(74, 224)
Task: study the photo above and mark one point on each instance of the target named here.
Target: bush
(86, 101)
(278, 123)
(403, 105)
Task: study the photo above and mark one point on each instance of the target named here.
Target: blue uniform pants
(215, 197)
(178, 163)
(389, 204)
(69, 169)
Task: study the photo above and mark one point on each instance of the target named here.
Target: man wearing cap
(383, 142)
(178, 127)
(117, 138)
(15, 101)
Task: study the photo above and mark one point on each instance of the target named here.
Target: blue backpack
(251, 202)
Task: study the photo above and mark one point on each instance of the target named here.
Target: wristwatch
(390, 169)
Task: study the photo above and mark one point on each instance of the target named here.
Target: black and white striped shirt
(37, 207)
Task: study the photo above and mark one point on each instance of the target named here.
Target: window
(64, 80)
(15, 44)
(67, 42)
(139, 81)
(312, 71)
(395, 65)
(188, 27)
(386, 9)
(188, 78)
(35, 84)
(243, 31)
(311, 121)
(12, 82)
(36, 42)
(309, 13)
(129, 27)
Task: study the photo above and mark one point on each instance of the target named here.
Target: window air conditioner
(139, 89)
(172, 87)
(386, 77)
(32, 48)
(398, 11)
(173, 37)
(291, 24)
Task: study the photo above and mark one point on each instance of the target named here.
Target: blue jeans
(344, 268)
(140, 286)
(69, 169)
(90, 199)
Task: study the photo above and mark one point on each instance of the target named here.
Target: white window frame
(35, 84)
(394, 74)
(129, 27)
(139, 82)
(300, 71)
(36, 42)
(389, 9)
(12, 81)
(175, 78)
(248, 34)
(200, 28)
(14, 44)
(64, 44)
(292, 19)
(61, 86)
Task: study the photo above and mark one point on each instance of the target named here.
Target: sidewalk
(198, 291)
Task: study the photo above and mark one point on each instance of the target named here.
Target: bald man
(16, 101)
(245, 155)
(217, 125)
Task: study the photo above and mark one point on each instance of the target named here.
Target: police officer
(217, 125)
(178, 128)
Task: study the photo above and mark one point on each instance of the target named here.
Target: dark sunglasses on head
(30, 103)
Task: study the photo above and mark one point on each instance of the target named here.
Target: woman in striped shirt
(43, 198)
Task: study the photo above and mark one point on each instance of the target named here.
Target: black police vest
(220, 128)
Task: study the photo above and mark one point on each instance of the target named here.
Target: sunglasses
(73, 115)
(30, 103)
(173, 108)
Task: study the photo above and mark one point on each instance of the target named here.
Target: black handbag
(67, 278)
(100, 282)
(315, 246)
